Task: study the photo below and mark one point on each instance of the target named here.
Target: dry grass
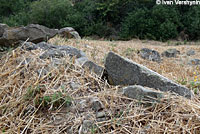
(24, 93)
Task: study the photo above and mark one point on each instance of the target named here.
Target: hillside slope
(70, 99)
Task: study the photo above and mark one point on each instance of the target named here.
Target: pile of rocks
(11, 36)
(153, 55)
(117, 70)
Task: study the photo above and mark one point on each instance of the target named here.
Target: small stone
(75, 34)
(86, 127)
(194, 62)
(170, 53)
(28, 46)
(42, 72)
(74, 85)
(46, 46)
(96, 104)
(190, 52)
(140, 93)
(102, 119)
(83, 105)
(100, 114)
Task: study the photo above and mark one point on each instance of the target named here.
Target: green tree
(50, 12)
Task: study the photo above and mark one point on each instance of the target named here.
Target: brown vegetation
(31, 102)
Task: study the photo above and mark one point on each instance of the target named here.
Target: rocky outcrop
(122, 71)
(58, 51)
(34, 33)
(69, 32)
(149, 54)
(54, 51)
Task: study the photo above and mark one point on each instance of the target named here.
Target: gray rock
(141, 93)
(170, 53)
(74, 85)
(26, 62)
(36, 33)
(71, 51)
(93, 67)
(54, 51)
(42, 45)
(56, 62)
(66, 30)
(46, 46)
(80, 61)
(149, 54)
(3, 27)
(190, 52)
(28, 46)
(82, 105)
(122, 71)
(102, 119)
(69, 32)
(86, 127)
(194, 62)
(96, 104)
(42, 72)
(75, 35)
(100, 114)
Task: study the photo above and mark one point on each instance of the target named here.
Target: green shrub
(167, 22)
(191, 22)
(50, 13)
(22, 18)
(160, 23)
(138, 24)
(128, 18)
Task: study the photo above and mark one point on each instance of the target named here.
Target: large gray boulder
(34, 32)
(122, 71)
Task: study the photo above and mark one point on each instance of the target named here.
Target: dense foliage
(124, 19)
